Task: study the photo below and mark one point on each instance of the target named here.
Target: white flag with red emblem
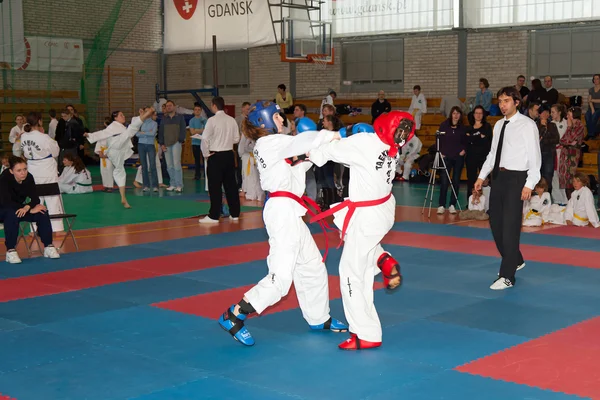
(190, 25)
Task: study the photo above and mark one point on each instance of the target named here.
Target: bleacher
(25, 101)
(430, 122)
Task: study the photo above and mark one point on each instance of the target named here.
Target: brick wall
(497, 56)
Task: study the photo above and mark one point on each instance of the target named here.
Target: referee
(220, 134)
(514, 162)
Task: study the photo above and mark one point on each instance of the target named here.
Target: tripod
(436, 166)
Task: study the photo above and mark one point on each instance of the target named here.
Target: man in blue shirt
(196, 125)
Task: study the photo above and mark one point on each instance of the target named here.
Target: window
(233, 70)
(488, 13)
(571, 55)
(372, 66)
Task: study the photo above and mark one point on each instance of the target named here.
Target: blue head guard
(357, 128)
(305, 124)
(261, 115)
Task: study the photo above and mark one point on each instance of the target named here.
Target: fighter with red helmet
(366, 217)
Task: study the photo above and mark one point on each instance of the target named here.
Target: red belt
(352, 206)
(303, 201)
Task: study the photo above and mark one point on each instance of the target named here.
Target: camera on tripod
(438, 133)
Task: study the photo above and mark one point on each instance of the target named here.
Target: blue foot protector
(331, 324)
(234, 324)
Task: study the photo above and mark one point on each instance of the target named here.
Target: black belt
(224, 151)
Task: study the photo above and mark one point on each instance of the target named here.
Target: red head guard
(395, 129)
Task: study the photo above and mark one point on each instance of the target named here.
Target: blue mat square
(121, 328)
(9, 325)
(217, 388)
(31, 347)
(316, 373)
(232, 276)
(444, 345)
(455, 385)
(57, 307)
(154, 290)
(510, 317)
(101, 374)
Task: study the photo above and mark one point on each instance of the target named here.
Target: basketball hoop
(321, 60)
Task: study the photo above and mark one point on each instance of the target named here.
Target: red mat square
(565, 361)
(211, 305)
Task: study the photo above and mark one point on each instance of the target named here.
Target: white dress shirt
(520, 150)
(52, 128)
(220, 134)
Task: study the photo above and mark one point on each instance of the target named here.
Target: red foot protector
(564, 361)
(2, 397)
(354, 343)
(211, 305)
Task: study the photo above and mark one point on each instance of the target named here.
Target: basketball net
(321, 61)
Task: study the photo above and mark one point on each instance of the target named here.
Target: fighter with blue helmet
(293, 253)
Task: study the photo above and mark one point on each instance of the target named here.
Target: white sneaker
(208, 220)
(441, 210)
(51, 252)
(12, 257)
(452, 210)
(234, 218)
(170, 188)
(501, 284)
(178, 190)
(155, 190)
(521, 266)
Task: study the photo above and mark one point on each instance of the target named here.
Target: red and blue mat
(139, 322)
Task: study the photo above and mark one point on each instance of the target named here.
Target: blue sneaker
(332, 325)
(234, 324)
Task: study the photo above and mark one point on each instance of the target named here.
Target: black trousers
(11, 226)
(221, 173)
(197, 161)
(474, 162)
(506, 213)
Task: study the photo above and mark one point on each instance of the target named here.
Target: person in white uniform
(580, 208)
(120, 148)
(75, 177)
(410, 152)
(418, 105)
(293, 254)
(536, 209)
(106, 167)
(365, 218)
(41, 151)
(15, 136)
(250, 177)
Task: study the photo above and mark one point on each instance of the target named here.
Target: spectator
(484, 96)
(380, 106)
(284, 100)
(418, 105)
(452, 147)
(171, 137)
(592, 116)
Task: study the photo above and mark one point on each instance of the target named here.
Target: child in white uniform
(580, 208)
(476, 207)
(536, 209)
(75, 178)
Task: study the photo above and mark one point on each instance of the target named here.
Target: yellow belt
(103, 149)
(581, 219)
(250, 163)
(531, 212)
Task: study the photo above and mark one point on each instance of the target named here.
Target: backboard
(306, 41)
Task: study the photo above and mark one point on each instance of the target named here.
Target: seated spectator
(284, 100)
(20, 202)
(551, 93)
(75, 178)
(380, 106)
(483, 97)
(580, 208)
(538, 94)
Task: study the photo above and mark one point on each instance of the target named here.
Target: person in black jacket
(380, 106)
(479, 143)
(549, 138)
(20, 202)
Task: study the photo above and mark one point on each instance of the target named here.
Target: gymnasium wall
(430, 61)
(136, 39)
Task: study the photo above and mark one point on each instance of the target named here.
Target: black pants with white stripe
(506, 216)
(220, 171)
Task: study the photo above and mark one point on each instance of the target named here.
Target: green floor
(99, 209)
